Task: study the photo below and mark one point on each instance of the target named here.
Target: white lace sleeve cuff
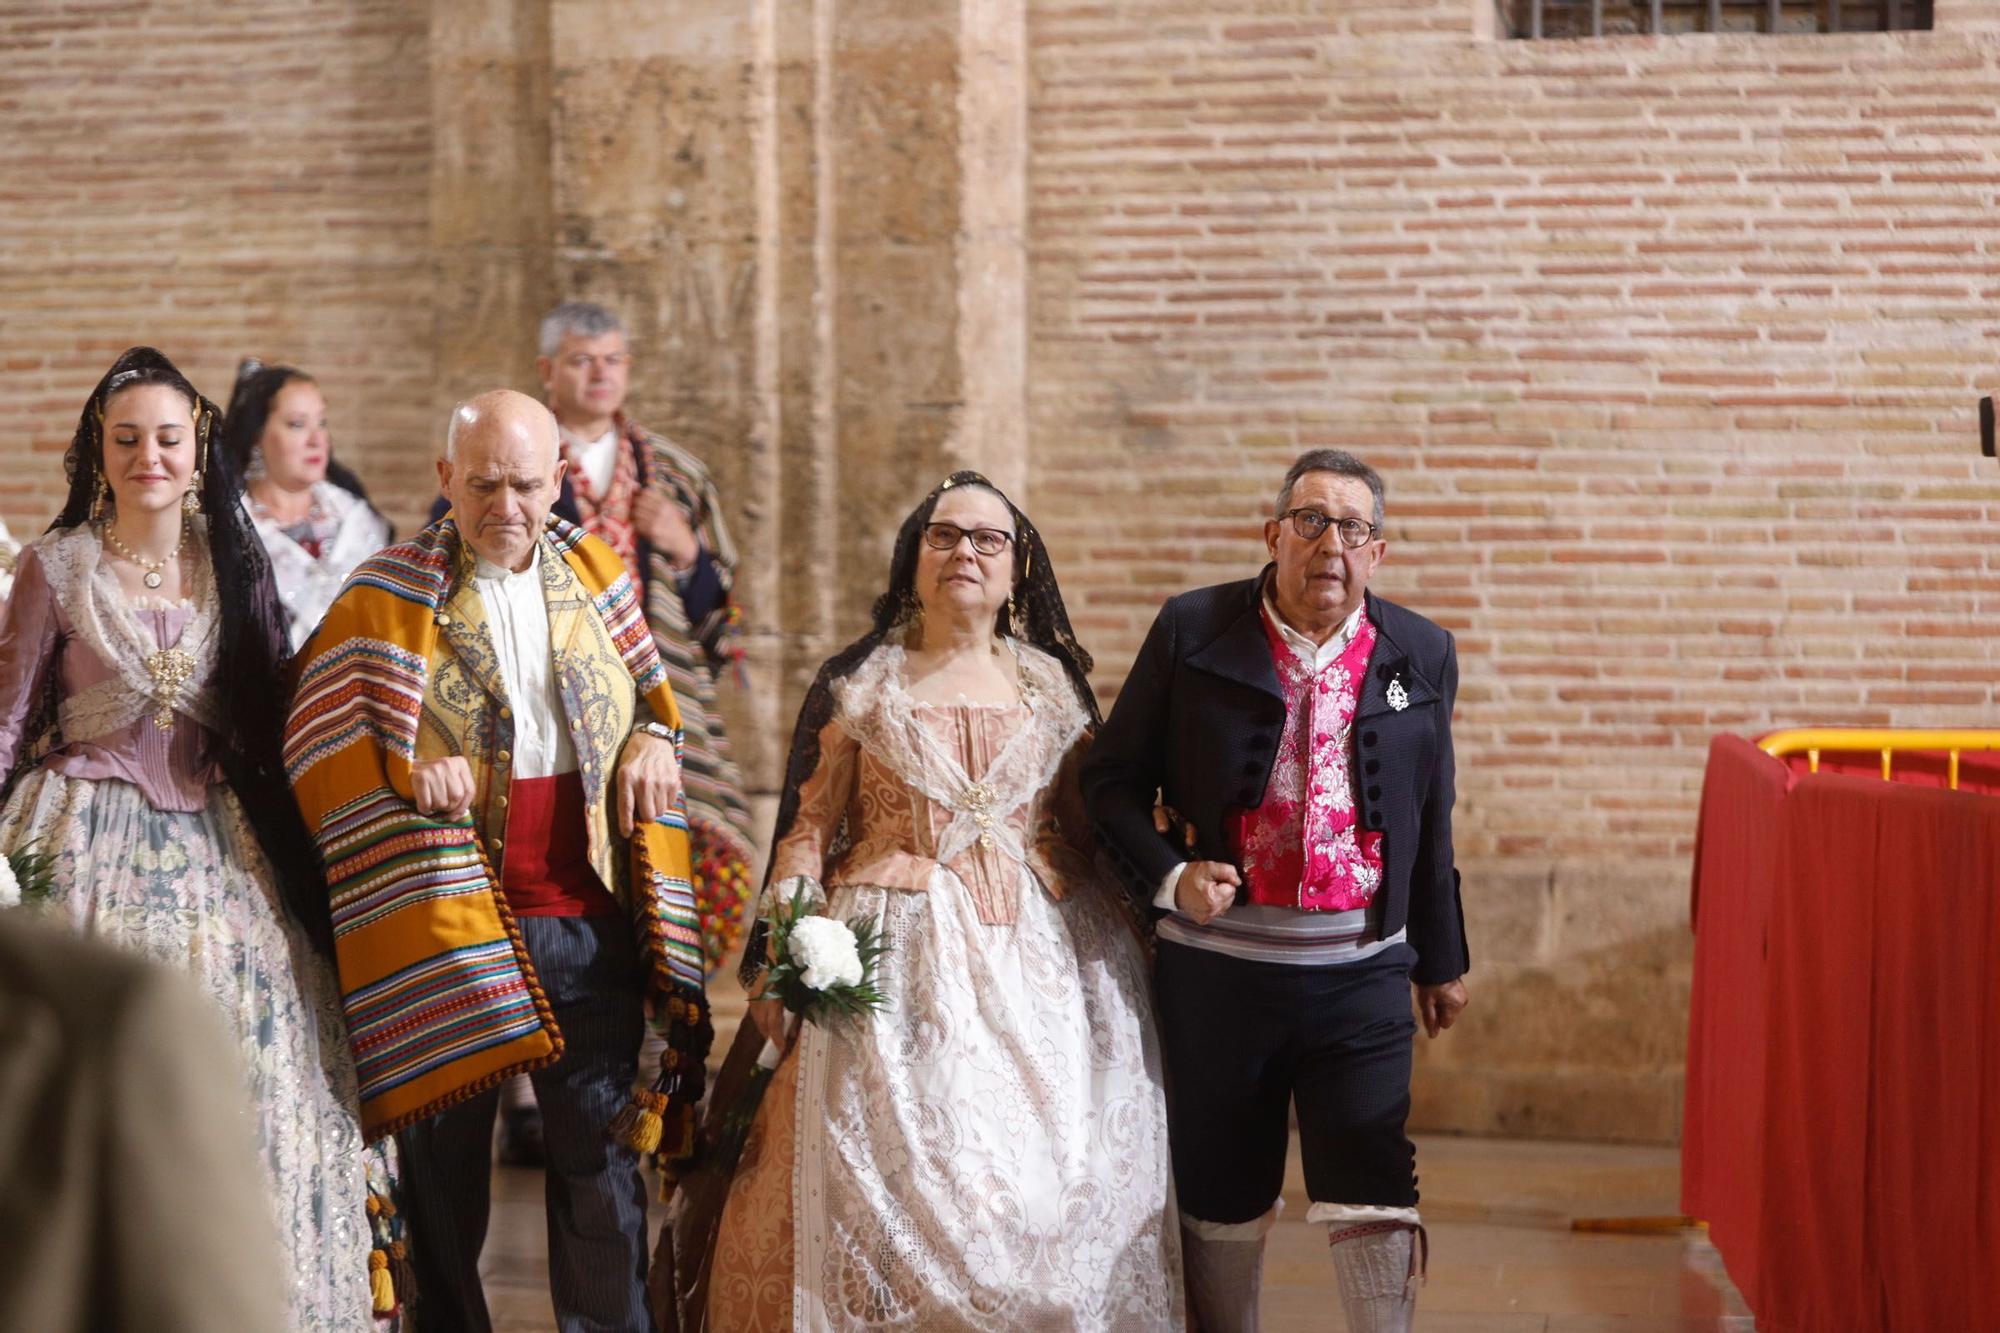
(782, 891)
(777, 893)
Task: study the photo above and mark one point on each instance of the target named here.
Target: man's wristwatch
(657, 729)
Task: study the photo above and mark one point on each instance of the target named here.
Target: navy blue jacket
(1198, 724)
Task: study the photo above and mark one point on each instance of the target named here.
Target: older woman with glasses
(989, 1150)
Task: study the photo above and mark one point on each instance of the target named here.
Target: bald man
(487, 749)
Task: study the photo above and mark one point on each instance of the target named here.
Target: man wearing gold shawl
(487, 749)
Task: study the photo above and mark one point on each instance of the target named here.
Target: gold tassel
(402, 1274)
(638, 1126)
(625, 1124)
(646, 1134)
(380, 1287)
(676, 1134)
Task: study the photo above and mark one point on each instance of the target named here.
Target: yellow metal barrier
(1812, 741)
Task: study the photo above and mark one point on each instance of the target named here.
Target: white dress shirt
(518, 618)
(596, 459)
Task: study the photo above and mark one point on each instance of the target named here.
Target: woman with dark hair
(988, 1151)
(141, 705)
(311, 514)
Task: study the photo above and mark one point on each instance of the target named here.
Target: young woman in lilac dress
(141, 702)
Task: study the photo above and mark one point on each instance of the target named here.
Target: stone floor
(1503, 1256)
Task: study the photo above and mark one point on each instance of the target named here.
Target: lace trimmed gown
(990, 1151)
(153, 853)
(311, 560)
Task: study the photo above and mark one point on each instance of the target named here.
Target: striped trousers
(596, 1198)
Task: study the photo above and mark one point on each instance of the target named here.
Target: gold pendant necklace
(152, 576)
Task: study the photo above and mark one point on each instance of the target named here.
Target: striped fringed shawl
(441, 999)
(694, 651)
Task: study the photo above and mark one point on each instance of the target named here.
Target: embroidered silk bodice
(904, 787)
(1303, 847)
(68, 620)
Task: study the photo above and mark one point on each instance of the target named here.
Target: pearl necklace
(152, 568)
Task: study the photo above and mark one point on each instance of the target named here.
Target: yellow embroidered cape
(442, 1001)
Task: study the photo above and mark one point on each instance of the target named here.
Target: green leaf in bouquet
(34, 870)
(786, 979)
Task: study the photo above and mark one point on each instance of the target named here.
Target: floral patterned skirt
(193, 891)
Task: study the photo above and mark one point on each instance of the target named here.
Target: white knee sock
(1225, 1271)
(1379, 1255)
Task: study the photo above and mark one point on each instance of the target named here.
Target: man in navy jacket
(1294, 733)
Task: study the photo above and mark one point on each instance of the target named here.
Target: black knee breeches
(1245, 1040)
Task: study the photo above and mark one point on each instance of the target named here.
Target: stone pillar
(811, 217)
(889, 219)
(490, 195)
(993, 240)
(659, 165)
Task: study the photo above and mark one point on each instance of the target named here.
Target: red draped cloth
(547, 869)
(1736, 866)
(1843, 1092)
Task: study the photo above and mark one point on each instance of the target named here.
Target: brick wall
(1669, 351)
(219, 181)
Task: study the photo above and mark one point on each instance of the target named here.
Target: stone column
(993, 260)
(811, 217)
(660, 160)
(490, 196)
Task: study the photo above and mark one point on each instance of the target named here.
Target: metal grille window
(1554, 19)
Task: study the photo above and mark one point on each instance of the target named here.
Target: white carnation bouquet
(27, 875)
(820, 966)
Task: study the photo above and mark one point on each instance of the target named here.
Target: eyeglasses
(1310, 523)
(946, 537)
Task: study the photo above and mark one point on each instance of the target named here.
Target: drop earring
(98, 497)
(191, 498)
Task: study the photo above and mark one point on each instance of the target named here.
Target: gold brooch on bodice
(171, 670)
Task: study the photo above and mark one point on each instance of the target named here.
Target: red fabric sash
(545, 869)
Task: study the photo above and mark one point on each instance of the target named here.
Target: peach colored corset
(894, 829)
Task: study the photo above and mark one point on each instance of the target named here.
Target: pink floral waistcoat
(1303, 847)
